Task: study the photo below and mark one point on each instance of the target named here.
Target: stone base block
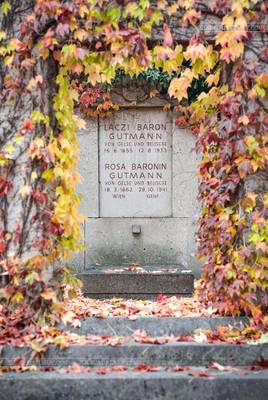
(130, 281)
(135, 386)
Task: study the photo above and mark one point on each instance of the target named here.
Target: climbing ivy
(219, 89)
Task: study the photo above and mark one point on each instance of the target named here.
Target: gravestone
(135, 165)
(139, 195)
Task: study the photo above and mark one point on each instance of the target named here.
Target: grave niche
(139, 188)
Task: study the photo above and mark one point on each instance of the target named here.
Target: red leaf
(39, 197)
(160, 298)
(2, 247)
(199, 374)
(5, 186)
(28, 124)
(119, 368)
(103, 371)
(146, 368)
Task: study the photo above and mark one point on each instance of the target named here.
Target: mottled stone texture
(110, 240)
(132, 354)
(152, 325)
(134, 386)
(102, 281)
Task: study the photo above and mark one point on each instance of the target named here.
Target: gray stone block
(111, 241)
(88, 169)
(132, 354)
(154, 326)
(185, 186)
(99, 281)
(185, 158)
(134, 386)
(135, 157)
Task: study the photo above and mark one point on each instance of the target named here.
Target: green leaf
(114, 14)
(5, 7)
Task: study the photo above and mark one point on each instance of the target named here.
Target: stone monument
(139, 194)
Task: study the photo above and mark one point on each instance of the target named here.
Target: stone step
(154, 326)
(132, 353)
(137, 281)
(161, 385)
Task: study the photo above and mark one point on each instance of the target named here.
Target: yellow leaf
(153, 93)
(178, 87)
(263, 80)
(172, 9)
(94, 73)
(228, 21)
(240, 22)
(17, 298)
(130, 8)
(80, 123)
(39, 142)
(80, 34)
(237, 9)
(243, 120)
(2, 35)
(33, 176)
(49, 294)
(8, 60)
(213, 79)
(249, 201)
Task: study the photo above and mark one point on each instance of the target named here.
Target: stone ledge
(131, 354)
(154, 326)
(134, 386)
(128, 280)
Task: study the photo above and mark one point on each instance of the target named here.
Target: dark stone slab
(134, 386)
(132, 354)
(155, 326)
(144, 280)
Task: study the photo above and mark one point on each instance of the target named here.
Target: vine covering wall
(60, 54)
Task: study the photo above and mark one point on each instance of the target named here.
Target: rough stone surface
(135, 164)
(110, 239)
(134, 386)
(132, 354)
(154, 326)
(88, 169)
(157, 280)
(162, 241)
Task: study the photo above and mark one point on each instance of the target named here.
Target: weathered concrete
(134, 386)
(132, 354)
(157, 279)
(168, 222)
(110, 241)
(88, 169)
(155, 326)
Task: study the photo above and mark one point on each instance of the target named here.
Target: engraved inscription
(135, 164)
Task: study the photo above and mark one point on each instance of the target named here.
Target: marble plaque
(135, 164)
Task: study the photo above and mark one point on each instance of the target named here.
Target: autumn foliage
(89, 42)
